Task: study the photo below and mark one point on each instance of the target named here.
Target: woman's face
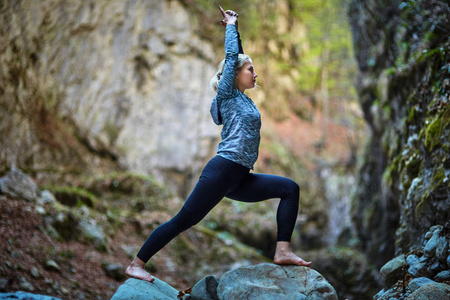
(246, 77)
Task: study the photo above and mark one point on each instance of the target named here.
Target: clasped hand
(229, 17)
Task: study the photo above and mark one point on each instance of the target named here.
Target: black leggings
(222, 177)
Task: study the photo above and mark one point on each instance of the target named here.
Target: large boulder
(269, 281)
(134, 289)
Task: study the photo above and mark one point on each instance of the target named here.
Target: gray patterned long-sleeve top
(234, 110)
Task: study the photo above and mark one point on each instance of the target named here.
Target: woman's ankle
(137, 263)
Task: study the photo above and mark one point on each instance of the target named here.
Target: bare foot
(290, 259)
(284, 256)
(136, 270)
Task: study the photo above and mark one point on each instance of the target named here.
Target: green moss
(412, 113)
(387, 109)
(391, 173)
(438, 178)
(127, 183)
(433, 133)
(73, 196)
(413, 165)
(390, 71)
(421, 207)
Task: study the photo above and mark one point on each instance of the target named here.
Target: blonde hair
(242, 59)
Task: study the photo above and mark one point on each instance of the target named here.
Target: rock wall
(131, 78)
(403, 54)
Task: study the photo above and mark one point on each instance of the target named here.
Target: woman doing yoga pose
(228, 173)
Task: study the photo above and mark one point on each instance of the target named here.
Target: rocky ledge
(263, 281)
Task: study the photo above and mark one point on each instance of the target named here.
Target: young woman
(228, 173)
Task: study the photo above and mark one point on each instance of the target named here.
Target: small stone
(416, 268)
(51, 265)
(435, 227)
(46, 197)
(25, 285)
(442, 249)
(430, 247)
(416, 283)
(393, 270)
(35, 272)
(114, 271)
(93, 232)
(64, 290)
(379, 294)
(435, 267)
(205, 289)
(40, 210)
(443, 276)
(385, 294)
(3, 284)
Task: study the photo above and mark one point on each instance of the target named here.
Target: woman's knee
(293, 188)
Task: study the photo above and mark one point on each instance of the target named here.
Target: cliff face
(129, 77)
(403, 54)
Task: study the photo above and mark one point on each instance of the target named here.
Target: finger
(222, 11)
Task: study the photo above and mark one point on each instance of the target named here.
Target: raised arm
(226, 87)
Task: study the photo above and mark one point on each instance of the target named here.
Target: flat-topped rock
(270, 281)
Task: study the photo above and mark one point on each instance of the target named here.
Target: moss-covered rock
(403, 184)
(73, 196)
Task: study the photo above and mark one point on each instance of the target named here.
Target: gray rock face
(130, 75)
(134, 289)
(25, 296)
(403, 183)
(269, 281)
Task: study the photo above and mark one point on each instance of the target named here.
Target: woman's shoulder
(228, 96)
